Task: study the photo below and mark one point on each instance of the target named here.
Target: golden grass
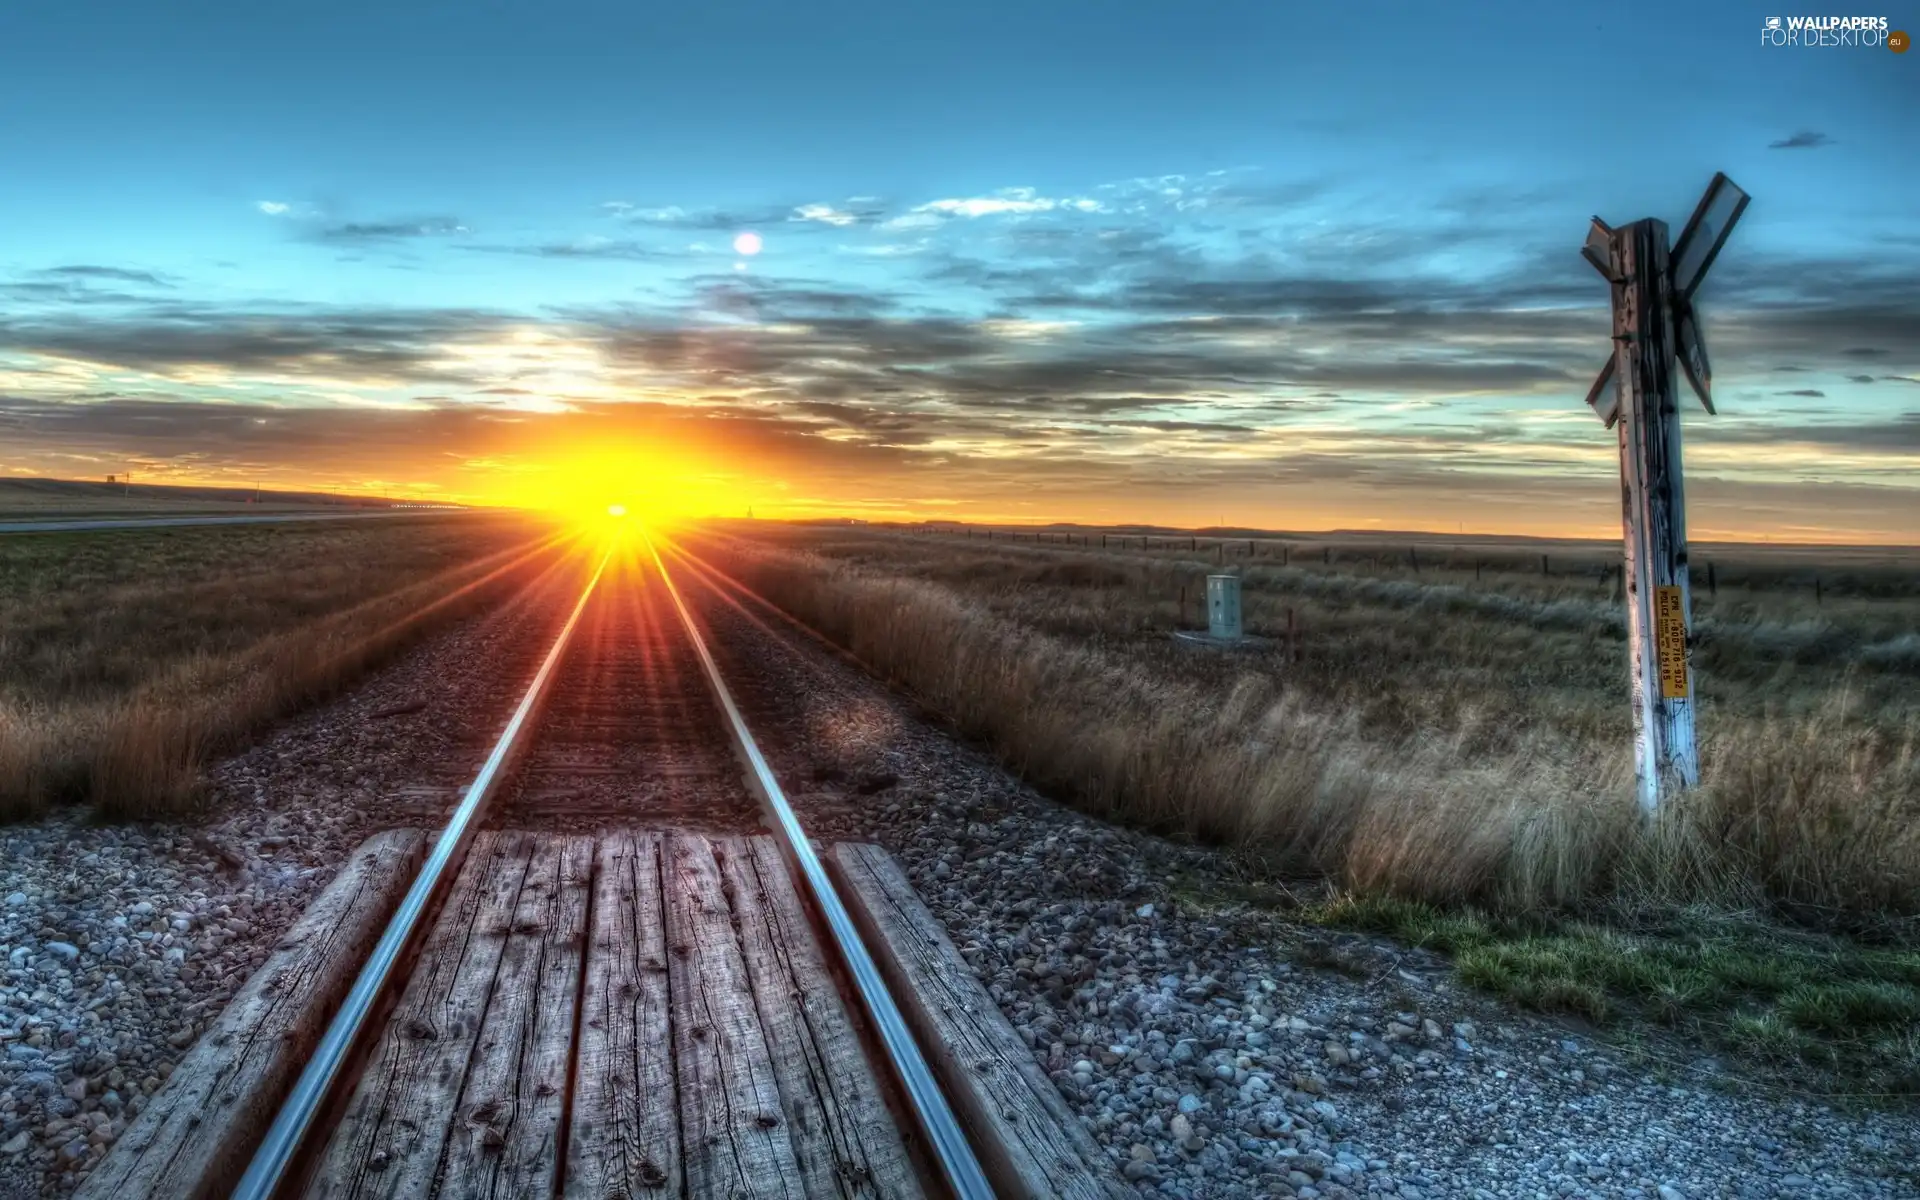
(1439, 743)
(1452, 756)
(128, 658)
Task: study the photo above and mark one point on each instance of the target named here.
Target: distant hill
(1589, 551)
(58, 497)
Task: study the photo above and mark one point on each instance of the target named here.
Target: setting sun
(654, 481)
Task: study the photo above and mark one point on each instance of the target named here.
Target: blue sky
(1291, 265)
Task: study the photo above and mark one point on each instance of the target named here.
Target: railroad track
(630, 727)
(622, 970)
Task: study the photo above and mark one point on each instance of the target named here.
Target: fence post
(1545, 569)
(1712, 588)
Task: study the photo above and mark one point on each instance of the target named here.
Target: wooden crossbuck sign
(1655, 323)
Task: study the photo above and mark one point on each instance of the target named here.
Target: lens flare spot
(747, 244)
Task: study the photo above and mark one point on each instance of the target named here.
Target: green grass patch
(1533, 975)
(1851, 1007)
(1770, 1037)
(1772, 996)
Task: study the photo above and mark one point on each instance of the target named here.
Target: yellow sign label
(1670, 636)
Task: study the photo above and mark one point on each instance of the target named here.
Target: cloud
(1213, 427)
(1108, 348)
(1007, 201)
(712, 220)
(826, 214)
(1806, 139)
(1121, 318)
(860, 210)
(1813, 392)
(814, 343)
(591, 247)
(273, 208)
(80, 285)
(113, 274)
(348, 444)
(764, 298)
(321, 343)
(375, 232)
(872, 455)
(1898, 436)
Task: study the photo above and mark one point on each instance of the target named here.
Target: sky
(1299, 266)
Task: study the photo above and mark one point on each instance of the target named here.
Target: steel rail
(958, 1164)
(290, 1126)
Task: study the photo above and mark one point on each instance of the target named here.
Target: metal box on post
(1223, 607)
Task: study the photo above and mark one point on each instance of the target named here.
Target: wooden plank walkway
(636, 1015)
(621, 1017)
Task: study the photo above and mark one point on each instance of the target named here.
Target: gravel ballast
(1224, 1051)
(118, 944)
(1214, 1051)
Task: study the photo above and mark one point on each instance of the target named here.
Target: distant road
(83, 524)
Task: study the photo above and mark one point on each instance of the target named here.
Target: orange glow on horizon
(656, 484)
(660, 483)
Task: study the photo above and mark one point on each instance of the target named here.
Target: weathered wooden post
(1653, 323)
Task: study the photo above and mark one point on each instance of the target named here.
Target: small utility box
(1223, 607)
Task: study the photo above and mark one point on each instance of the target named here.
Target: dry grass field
(1450, 748)
(127, 657)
